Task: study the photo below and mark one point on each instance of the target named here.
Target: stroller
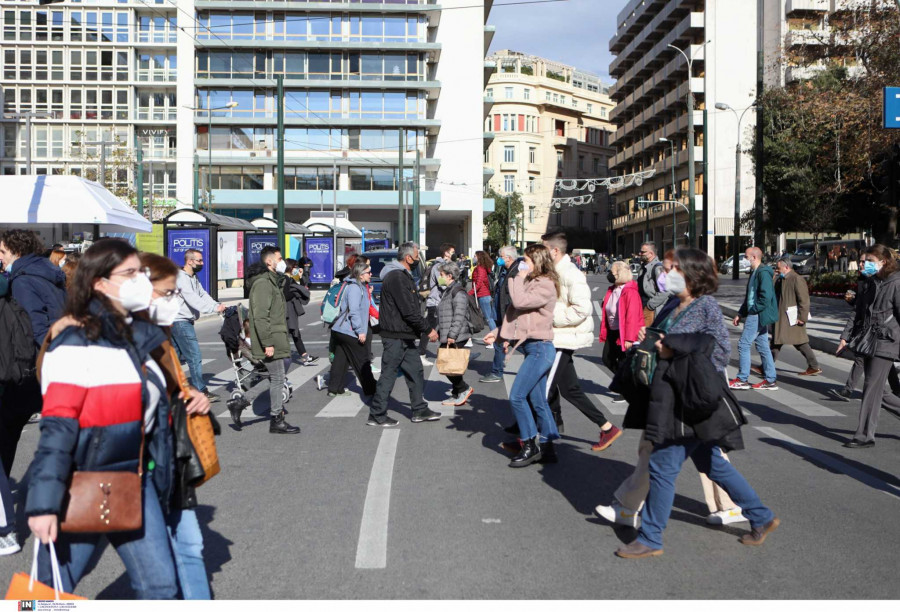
(235, 333)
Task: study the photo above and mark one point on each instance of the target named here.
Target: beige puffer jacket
(573, 321)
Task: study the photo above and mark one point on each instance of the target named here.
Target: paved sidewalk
(828, 315)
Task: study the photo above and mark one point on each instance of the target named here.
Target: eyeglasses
(132, 272)
(169, 295)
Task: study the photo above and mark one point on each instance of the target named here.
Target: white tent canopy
(41, 200)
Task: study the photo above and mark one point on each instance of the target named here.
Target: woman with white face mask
(100, 382)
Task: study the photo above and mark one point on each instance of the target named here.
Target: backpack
(17, 353)
(474, 317)
(331, 305)
(425, 284)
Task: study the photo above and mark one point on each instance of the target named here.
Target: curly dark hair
(98, 262)
(22, 242)
(889, 262)
(699, 272)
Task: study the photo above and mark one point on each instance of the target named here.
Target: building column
(186, 140)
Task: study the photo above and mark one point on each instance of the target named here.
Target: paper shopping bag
(452, 361)
(23, 587)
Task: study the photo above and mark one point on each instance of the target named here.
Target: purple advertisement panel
(254, 244)
(181, 240)
(320, 250)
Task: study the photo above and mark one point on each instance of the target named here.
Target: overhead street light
(674, 210)
(736, 249)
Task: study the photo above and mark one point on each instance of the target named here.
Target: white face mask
(675, 283)
(62, 263)
(295, 272)
(162, 311)
(134, 293)
(280, 267)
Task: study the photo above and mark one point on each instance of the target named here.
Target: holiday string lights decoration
(611, 182)
(575, 201)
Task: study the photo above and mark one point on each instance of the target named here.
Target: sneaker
(619, 400)
(450, 401)
(737, 383)
(726, 517)
(618, 514)
(841, 394)
(343, 393)
(320, 382)
(376, 369)
(9, 545)
(34, 418)
(308, 360)
(765, 385)
(425, 361)
(384, 421)
(426, 414)
(757, 370)
(211, 396)
(758, 535)
(810, 372)
(606, 438)
(463, 397)
(491, 378)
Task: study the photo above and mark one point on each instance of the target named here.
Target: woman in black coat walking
(296, 296)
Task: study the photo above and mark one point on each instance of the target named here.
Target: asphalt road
(431, 510)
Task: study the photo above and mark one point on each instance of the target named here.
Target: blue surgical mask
(870, 268)
(501, 261)
(781, 274)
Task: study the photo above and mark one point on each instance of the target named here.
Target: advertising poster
(319, 250)
(181, 240)
(254, 244)
(294, 247)
(229, 262)
(152, 242)
(240, 253)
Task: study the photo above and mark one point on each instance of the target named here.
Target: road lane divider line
(371, 548)
(598, 309)
(601, 377)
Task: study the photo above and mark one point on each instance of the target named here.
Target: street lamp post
(736, 249)
(209, 112)
(690, 104)
(674, 210)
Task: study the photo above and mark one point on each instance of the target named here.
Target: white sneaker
(619, 514)
(376, 369)
(320, 381)
(9, 545)
(726, 517)
(425, 361)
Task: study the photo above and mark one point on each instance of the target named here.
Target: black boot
(548, 453)
(560, 427)
(512, 429)
(278, 425)
(236, 407)
(530, 453)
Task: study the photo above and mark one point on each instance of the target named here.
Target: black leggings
(298, 341)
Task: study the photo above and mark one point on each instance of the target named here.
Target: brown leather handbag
(200, 430)
(104, 502)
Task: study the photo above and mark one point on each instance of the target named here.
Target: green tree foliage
(497, 224)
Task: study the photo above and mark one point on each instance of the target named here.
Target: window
(532, 155)
(490, 93)
(526, 94)
(509, 154)
(531, 183)
(581, 163)
(508, 93)
(560, 160)
(548, 96)
(590, 109)
(603, 112)
(531, 208)
(509, 183)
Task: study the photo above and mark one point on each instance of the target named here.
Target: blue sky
(574, 32)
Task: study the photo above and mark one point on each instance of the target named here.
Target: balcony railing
(155, 75)
(153, 37)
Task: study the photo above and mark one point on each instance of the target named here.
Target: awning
(223, 224)
(47, 200)
(268, 223)
(322, 225)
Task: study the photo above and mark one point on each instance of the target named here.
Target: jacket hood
(254, 272)
(393, 267)
(35, 265)
(894, 277)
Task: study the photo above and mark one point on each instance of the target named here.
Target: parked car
(726, 266)
(378, 259)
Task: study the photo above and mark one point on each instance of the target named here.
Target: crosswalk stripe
(298, 376)
(436, 386)
(598, 309)
(343, 407)
(601, 377)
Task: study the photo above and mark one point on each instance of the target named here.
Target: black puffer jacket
(296, 296)
(682, 386)
(400, 312)
(501, 290)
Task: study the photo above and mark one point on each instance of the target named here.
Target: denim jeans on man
(666, 462)
(530, 387)
(400, 355)
(187, 546)
(499, 359)
(146, 554)
(185, 339)
(754, 334)
(486, 304)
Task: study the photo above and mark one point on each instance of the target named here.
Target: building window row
(234, 177)
(350, 66)
(311, 103)
(504, 122)
(326, 27)
(61, 141)
(229, 138)
(86, 26)
(35, 64)
(69, 103)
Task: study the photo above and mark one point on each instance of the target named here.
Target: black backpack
(17, 353)
(474, 317)
(425, 284)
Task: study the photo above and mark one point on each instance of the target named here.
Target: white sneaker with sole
(726, 517)
(9, 545)
(425, 361)
(619, 514)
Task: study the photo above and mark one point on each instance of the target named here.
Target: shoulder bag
(200, 431)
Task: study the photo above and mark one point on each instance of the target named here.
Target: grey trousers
(276, 370)
(874, 397)
(859, 364)
(804, 349)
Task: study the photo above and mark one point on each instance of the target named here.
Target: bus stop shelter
(266, 234)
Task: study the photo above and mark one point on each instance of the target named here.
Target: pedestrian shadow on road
(840, 465)
(585, 479)
(216, 547)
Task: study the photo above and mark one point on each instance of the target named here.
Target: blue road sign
(892, 108)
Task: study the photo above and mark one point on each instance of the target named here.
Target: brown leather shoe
(757, 370)
(636, 550)
(810, 372)
(758, 535)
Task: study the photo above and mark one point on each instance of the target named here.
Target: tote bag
(452, 361)
(23, 587)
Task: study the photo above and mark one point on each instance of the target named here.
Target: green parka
(268, 325)
(761, 292)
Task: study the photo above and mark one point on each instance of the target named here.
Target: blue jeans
(754, 334)
(185, 339)
(530, 391)
(487, 309)
(499, 359)
(187, 545)
(666, 461)
(145, 553)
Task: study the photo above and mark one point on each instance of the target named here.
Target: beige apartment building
(548, 121)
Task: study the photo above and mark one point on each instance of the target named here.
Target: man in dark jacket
(39, 287)
(508, 269)
(759, 310)
(402, 324)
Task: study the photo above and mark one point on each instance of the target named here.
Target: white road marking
(588, 370)
(598, 309)
(186, 368)
(297, 376)
(343, 406)
(371, 550)
(436, 381)
(595, 288)
(319, 322)
(830, 462)
(223, 378)
(800, 404)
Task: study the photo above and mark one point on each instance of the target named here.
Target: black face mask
(454, 257)
(414, 265)
(611, 277)
(197, 268)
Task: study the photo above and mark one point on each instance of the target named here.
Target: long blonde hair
(543, 264)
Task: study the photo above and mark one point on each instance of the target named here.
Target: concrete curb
(818, 344)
